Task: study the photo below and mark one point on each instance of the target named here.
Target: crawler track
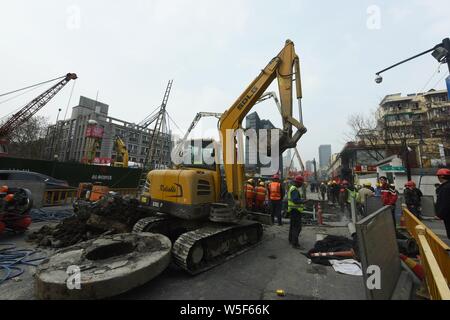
(202, 249)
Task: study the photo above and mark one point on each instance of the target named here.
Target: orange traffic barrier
(414, 266)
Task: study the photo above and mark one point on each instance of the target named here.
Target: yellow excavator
(121, 153)
(200, 203)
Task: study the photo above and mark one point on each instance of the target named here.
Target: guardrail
(436, 282)
(435, 256)
(60, 197)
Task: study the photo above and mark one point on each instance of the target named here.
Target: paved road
(256, 274)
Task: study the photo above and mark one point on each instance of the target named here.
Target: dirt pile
(110, 215)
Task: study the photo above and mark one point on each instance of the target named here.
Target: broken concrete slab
(103, 267)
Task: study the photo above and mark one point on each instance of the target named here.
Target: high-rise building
(309, 166)
(252, 160)
(324, 156)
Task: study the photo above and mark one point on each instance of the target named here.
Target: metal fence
(435, 256)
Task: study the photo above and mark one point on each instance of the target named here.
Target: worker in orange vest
(249, 190)
(260, 197)
(276, 199)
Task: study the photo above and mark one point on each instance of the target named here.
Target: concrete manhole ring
(103, 267)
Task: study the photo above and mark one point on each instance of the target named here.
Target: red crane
(24, 114)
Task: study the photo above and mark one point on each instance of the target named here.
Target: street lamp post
(441, 52)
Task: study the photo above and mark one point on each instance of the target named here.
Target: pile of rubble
(110, 215)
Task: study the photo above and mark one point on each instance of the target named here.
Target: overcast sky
(128, 50)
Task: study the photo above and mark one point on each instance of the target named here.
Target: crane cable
(38, 84)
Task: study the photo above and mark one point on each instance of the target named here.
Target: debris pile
(110, 215)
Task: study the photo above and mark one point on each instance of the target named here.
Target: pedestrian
(323, 190)
(389, 197)
(275, 199)
(364, 193)
(260, 197)
(295, 208)
(443, 198)
(335, 192)
(249, 191)
(413, 199)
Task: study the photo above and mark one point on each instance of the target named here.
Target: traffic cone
(414, 266)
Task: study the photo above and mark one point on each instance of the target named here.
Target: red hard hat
(443, 172)
(345, 182)
(299, 179)
(275, 176)
(410, 184)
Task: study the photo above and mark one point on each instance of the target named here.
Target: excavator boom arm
(283, 67)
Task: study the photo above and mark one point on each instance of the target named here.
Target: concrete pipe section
(103, 267)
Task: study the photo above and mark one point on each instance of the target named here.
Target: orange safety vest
(249, 191)
(260, 194)
(275, 191)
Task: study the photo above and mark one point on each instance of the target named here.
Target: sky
(126, 51)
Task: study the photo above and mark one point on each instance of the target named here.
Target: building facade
(253, 163)
(324, 156)
(68, 140)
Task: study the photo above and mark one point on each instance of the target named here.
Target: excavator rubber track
(202, 249)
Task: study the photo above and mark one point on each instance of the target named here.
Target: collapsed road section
(104, 267)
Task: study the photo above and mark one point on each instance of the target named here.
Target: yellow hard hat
(262, 184)
(250, 180)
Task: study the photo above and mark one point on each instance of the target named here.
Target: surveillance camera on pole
(441, 52)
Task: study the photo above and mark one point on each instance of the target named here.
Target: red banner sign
(94, 132)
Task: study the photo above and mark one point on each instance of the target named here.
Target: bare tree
(28, 140)
(364, 131)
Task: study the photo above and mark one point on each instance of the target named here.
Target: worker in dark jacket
(443, 198)
(295, 209)
(413, 199)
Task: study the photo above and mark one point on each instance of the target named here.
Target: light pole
(441, 52)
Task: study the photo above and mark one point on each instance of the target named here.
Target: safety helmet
(250, 180)
(275, 176)
(262, 184)
(299, 179)
(334, 182)
(367, 184)
(410, 184)
(345, 182)
(4, 189)
(443, 173)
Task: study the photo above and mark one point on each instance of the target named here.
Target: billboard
(94, 132)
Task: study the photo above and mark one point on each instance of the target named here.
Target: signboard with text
(94, 132)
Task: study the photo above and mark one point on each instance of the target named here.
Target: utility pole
(315, 169)
(406, 159)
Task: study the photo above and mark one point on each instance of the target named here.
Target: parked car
(50, 183)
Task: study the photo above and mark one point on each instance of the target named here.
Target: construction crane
(177, 152)
(30, 109)
(152, 159)
(299, 159)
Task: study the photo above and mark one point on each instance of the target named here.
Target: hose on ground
(12, 260)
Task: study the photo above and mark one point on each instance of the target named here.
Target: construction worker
(335, 192)
(413, 199)
(249, 194)
(343, 197)
(323, 190)
(295, 208)
(443, 198)
(389, 197)
(276, 193)
(364, 193)
(260, 197)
